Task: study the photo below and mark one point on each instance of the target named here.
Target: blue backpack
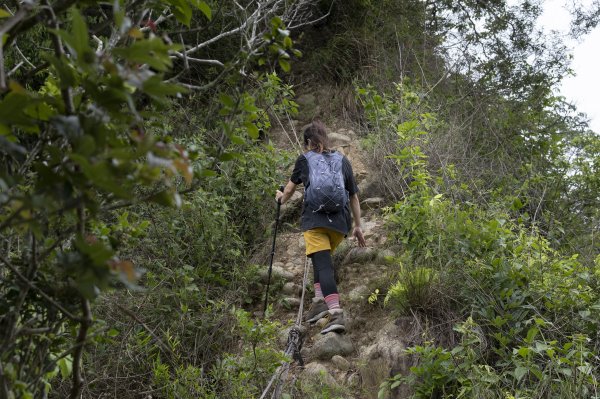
(326, 192)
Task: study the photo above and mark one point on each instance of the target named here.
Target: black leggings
(323, 272)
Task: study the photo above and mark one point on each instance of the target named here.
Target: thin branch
(9, 24)
(99, 43)
(18, 50)
(38, 290)
(86, 322)
(58, 49)
(15, 69)
(163, 17)
(34, 331)
(314, 21)
(30, 22)
(160, 343)
(187, 59)
(186, 64)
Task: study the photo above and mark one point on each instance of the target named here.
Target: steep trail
(350, 365)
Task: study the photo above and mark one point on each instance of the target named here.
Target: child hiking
(330, 197)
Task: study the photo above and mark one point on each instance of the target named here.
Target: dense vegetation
(137, 173)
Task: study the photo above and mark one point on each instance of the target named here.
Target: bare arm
(355, 209)
(288, 191)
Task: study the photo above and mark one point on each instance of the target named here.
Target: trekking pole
(272, 251)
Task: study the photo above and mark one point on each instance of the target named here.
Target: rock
(370, 187)
(360, 255)
(341, 363)
(291, 251)
(338, 140)
(292, 208)
(291, 302)
(318, 372)
(359, 294)
(278, 273)
(372, 203)
(385, 357)
(369, 229)
(301, 242)
(332, 344)
(290, 288)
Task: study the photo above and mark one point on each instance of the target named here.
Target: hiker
(331, 194)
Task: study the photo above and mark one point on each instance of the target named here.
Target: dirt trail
(350, 365)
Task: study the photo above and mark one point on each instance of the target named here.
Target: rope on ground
(292, 349)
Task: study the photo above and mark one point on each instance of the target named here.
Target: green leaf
(66, 73)
(202, 6)
(524, 351)
(4, 14)
(284, 64)
(65, 365)
(157, 88)
(167, 197)
(100, 175)
(182, 11)
(229, 156)
(153, 52)
(12, 109)
(226, 100)
(520, 372)
(80, 31)
(113, 332)
(252, 130)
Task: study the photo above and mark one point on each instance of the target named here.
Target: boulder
(332, 344)
(385, 357)
(291, 302)
(338, 140)
(370, 187)
(360, 255)
(316, 371)
(359, 294)
(341, 363)
(278, 273)
(291, 289)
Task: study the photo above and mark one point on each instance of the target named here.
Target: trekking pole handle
(281, 188)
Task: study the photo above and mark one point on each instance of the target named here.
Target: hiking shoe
(316, 311)
(336, 323)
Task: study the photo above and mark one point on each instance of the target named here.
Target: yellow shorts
(320, 239)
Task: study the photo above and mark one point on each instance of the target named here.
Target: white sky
(583, 89)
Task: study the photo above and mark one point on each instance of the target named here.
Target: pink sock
(318, 292)
(333, 301)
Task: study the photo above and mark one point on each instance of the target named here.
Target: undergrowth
(529, 311)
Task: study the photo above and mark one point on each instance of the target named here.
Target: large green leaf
(153, 52)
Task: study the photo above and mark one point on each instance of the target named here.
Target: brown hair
(315, 137)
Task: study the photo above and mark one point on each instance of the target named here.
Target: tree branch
(86, 322)
(38, 290)
(58, 49)
(6, 27)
